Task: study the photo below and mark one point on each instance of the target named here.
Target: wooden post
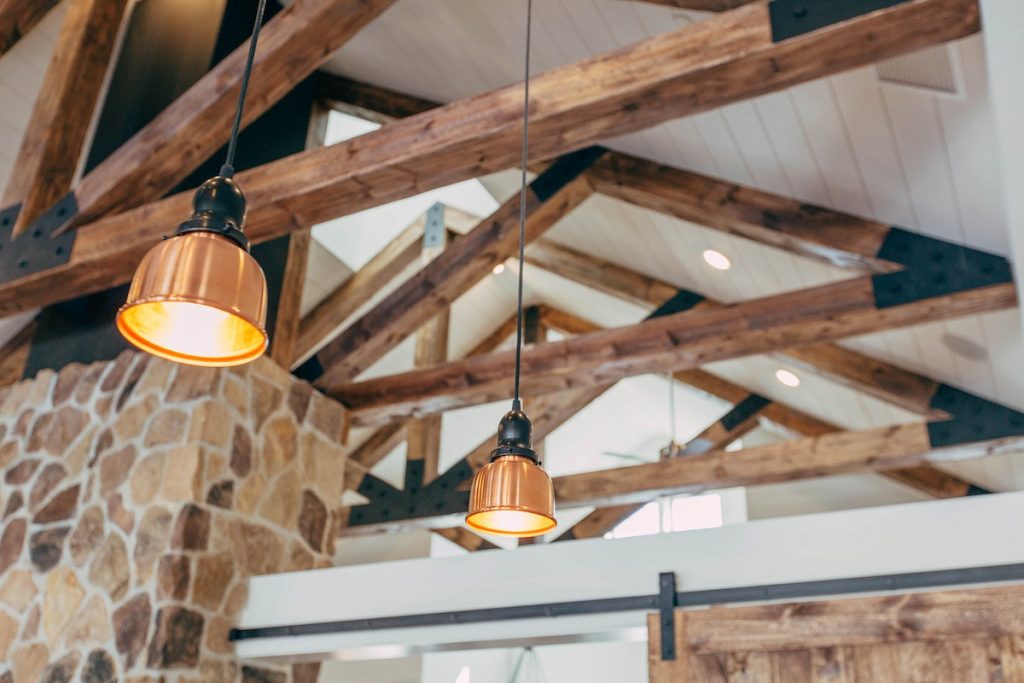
(284, 337)
(671, 670)
(424, 442)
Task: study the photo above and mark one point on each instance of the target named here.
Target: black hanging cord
(516, 404)
(228, 169)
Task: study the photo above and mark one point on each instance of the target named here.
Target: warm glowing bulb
(191, 332)
(517, 523)
(787, 378)
(499, 269)
(717, 259)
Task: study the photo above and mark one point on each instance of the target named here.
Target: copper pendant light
(512, 495)
(199, 297)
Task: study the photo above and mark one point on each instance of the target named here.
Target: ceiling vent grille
(935, 70)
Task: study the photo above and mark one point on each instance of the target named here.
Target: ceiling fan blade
(625, 456)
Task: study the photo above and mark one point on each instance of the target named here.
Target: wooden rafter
(62, 114)
(885, 381)
(550, 197)
(18, 17)
(286, 328)
(659, 79)
(836, 238)
(292, 45)
(386, 439)
(735, 424)
(424, 434)
(676, 342)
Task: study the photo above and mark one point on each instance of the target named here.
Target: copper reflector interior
(512, 496)
(200, 299)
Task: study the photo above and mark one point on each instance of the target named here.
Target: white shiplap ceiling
(923, 161)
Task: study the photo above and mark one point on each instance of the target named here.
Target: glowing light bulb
(788, 378)
(717, 260)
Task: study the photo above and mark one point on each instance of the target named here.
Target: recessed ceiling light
(717, 259)
(499, 269)
(787, 378)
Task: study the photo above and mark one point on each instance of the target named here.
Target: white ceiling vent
(935, 70)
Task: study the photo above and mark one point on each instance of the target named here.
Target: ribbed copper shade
(200, 299)
(512, 496)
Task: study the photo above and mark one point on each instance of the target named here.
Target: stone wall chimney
(137, 496)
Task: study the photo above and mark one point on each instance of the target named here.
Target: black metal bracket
(388, 504)
(974, 419)
(932, 268)
(36, 249)
(565, 169)
(792, 18)
(683, 300)
(666, 613)
(742, 411)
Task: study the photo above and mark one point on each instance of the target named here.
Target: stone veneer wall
(137, 496)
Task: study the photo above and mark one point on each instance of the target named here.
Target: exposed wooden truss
(53, 143)
(454, 272)
(676, 342)
(878, 378)
(294, 43)
(656, 80)
(18, 17)
(286, 327)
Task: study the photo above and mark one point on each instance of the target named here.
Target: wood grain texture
(289, 306)
(700, 5)
(935, 616)
(727, 58)
(454, 272)
(14, 354)
(836, 238)
(319, 324)
(878, 378)
(18, 17)
(62, 114)
(674, 342)
(924, 478)
(292, 45)
(424, 440)
(464, 538)
(872, 450)
(367, 101)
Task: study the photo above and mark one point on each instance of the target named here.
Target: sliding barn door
(963, 636)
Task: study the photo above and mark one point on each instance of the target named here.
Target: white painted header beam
(927, 536)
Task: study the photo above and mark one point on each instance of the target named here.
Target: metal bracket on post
(36, 249)
(666, 613)
(434, 229)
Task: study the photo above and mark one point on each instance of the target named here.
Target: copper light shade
(512, 495)
(199, 297)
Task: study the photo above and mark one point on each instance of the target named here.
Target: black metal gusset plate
(388, 504)
(933, 268)
(35, 250)
(743, 410)
(683, 300)
(564, 170)
(792, 18)
(974, 419)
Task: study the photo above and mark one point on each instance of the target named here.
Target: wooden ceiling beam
(734, 425)
(923, 478)
(839, 239)
(292, 45)
(18, 17)
(289, 306)
(454, 272)
(700, 5)
(63, 111)
(681, 341)
(387, 438)
(630, 89)
(882, 380)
